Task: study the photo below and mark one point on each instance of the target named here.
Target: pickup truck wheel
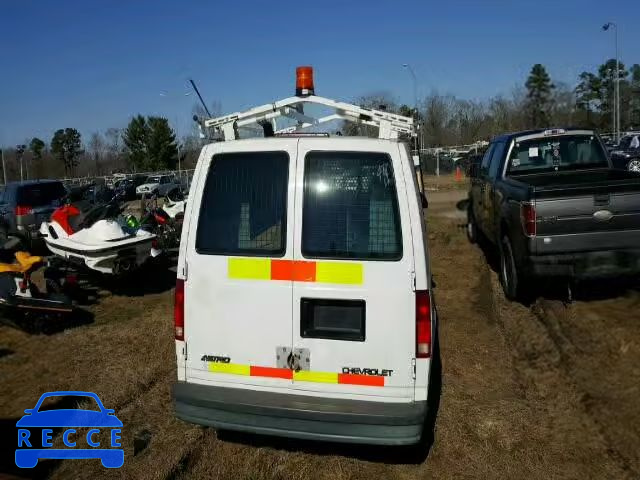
(472, 229)
(634, 166)
(509, 278)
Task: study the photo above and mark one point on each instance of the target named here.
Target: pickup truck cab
(553, 206)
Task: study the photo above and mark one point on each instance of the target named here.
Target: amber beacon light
(304, 82)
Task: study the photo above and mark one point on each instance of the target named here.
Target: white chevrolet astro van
(304, 305)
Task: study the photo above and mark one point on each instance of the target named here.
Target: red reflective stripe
(368, 380)
(271, 372)
(294, 270)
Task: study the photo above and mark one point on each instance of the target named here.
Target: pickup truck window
(496, 159)
(484, 166)
(569, 152)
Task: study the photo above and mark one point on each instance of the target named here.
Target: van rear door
(237, 308)
(353, 299)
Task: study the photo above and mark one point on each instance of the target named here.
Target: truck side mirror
(423, 200)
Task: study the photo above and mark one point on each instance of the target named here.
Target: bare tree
(97, 147)
(114, 147)
(438, 120)
(376, 100)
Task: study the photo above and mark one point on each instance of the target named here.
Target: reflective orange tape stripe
(271, 372)
(367, 380)
(346, 273)
(299, 376)
(295, 270)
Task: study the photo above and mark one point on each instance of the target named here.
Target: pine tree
(66, 145)
(151, 144)
(539, 94)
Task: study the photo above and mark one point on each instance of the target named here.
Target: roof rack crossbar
(390, 125)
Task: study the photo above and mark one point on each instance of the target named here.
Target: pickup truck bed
(587, 222)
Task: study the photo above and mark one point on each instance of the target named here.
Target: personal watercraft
(100, 238)
(18, 292)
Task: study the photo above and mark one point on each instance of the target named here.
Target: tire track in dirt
(542, 351)
(554, 316)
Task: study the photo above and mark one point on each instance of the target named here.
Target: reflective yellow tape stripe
(230, 368)
(317, 377)
(334, 272)
(249, 268)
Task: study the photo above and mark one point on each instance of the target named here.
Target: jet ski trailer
(103, 246)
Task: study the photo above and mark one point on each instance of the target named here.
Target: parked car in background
(552, 205)
(159, 185)
(626, 155)
(25, 205)
(126, 188)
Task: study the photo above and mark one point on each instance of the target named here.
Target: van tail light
(528, 218)
(178, 310)
(423, 324)
(23, 210)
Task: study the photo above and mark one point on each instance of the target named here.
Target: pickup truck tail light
(528, 218)
(423, 324)
(178, 310)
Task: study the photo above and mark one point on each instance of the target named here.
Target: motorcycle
(158, 221)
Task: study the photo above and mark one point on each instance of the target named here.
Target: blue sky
(93, 64)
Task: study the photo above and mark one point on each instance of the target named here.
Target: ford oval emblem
(603, 215)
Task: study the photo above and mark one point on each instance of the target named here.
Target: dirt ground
(547, 390)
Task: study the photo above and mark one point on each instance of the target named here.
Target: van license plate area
(294, 359)
(303, 357)
(282, 357)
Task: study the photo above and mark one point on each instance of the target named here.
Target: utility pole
(20, 153)
(4, 170)
(613, 107)
(616, 79)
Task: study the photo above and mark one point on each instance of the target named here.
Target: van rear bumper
(300, 416)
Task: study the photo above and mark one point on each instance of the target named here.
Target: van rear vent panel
(333, 319)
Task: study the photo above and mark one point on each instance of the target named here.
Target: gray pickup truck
(553, 206)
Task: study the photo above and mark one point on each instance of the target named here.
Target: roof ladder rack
(390, 125)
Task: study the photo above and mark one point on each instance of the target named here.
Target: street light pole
(616, 79)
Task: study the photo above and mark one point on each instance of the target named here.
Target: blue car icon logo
(34, 445)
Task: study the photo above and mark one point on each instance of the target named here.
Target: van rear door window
(350, 207)
(244, 203)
